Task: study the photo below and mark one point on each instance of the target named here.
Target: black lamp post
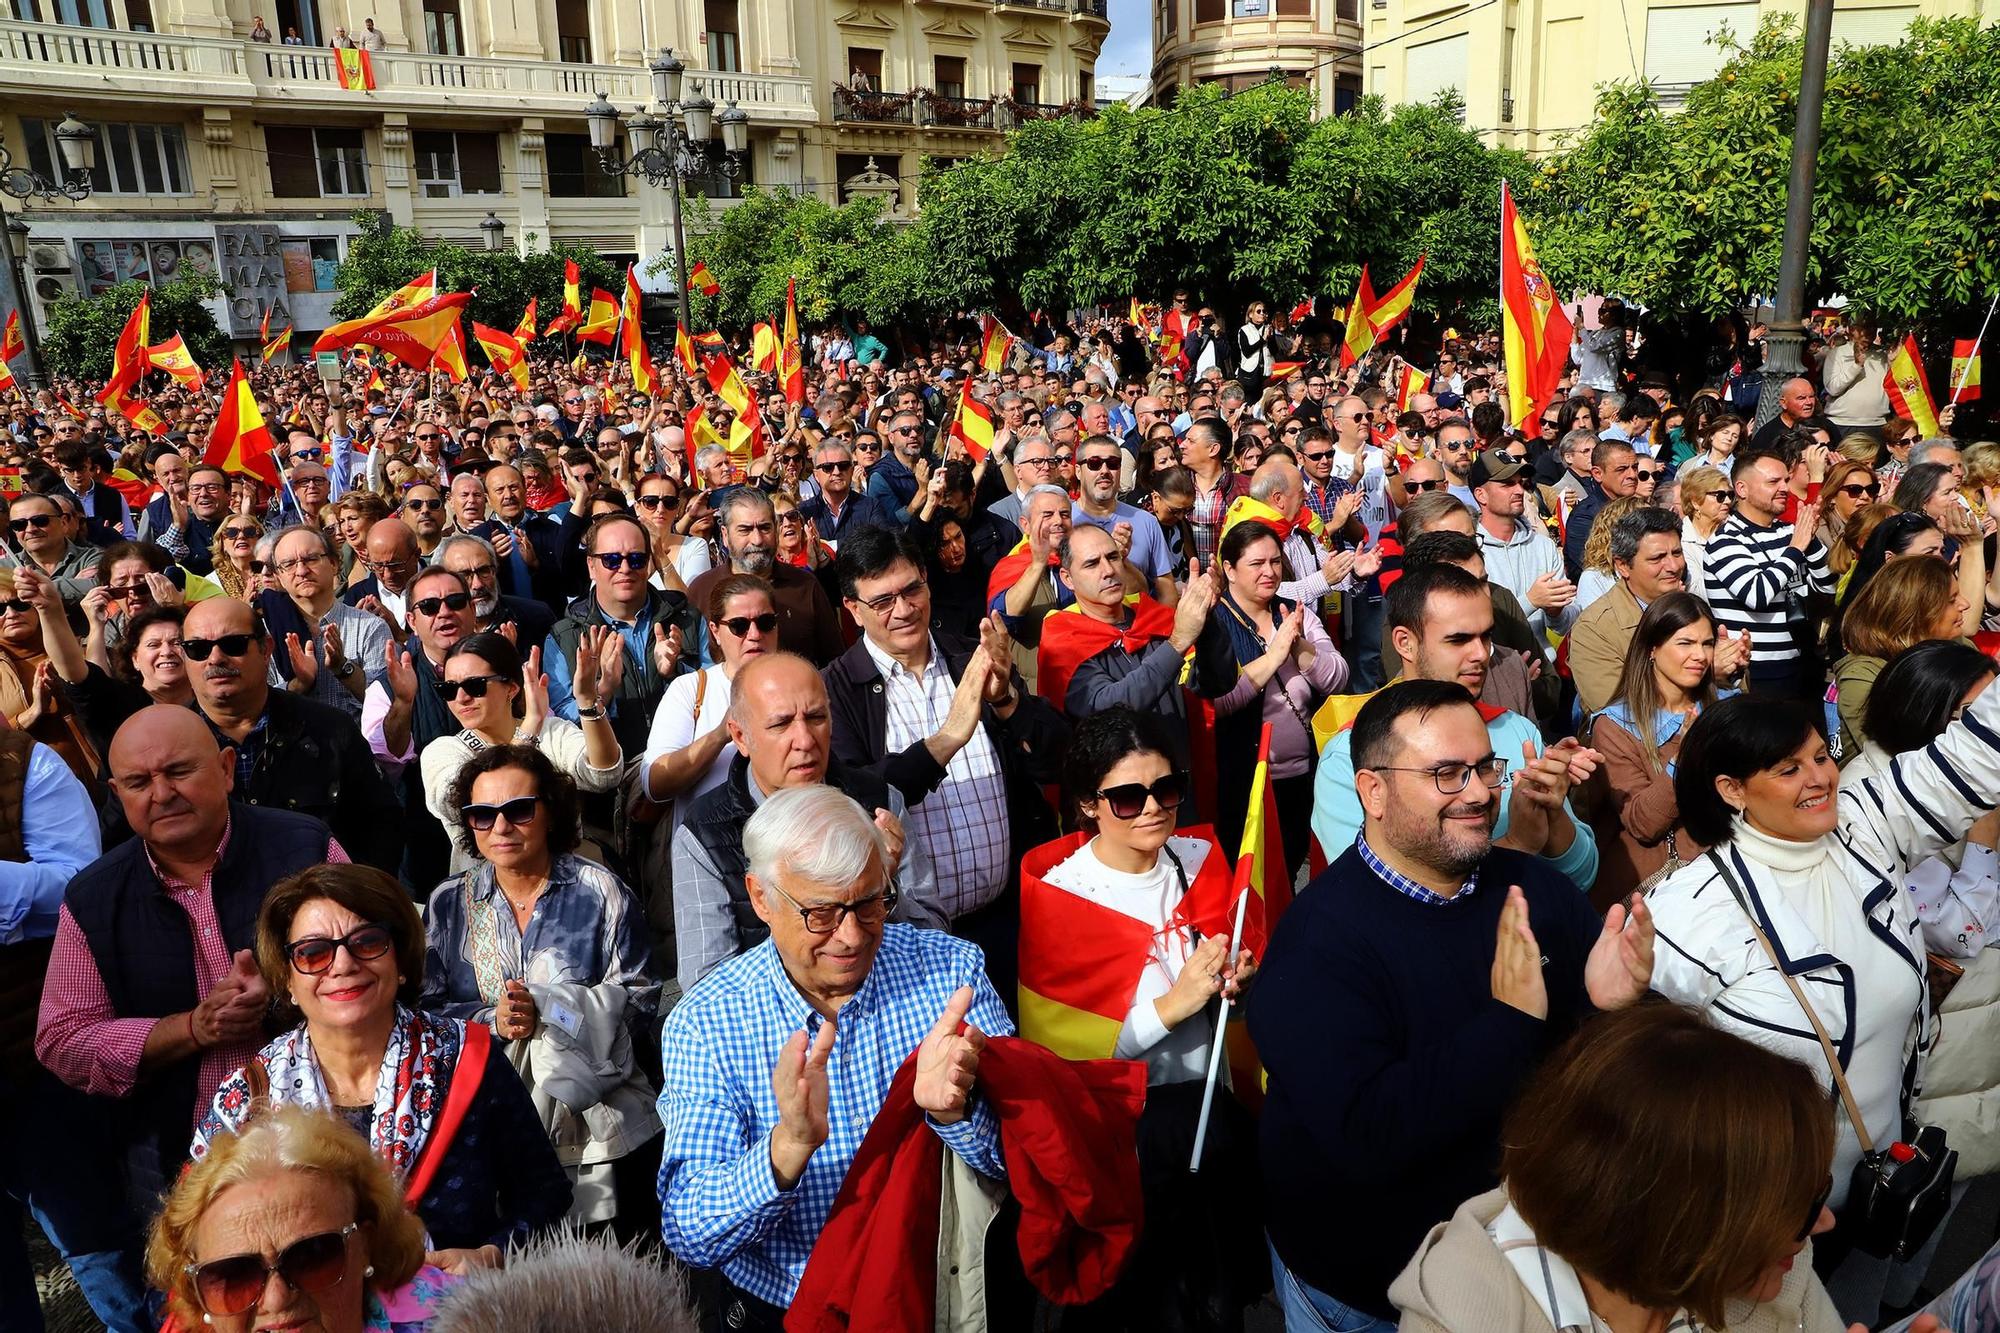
(76, 142)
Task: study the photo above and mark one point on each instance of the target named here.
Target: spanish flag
(572, 311)
(684, 351)
(281, 343)
(1072, 636)
(1247, 509)
(701, 280)
(405, 301)
(412, 335)
(1535, 331)
(1964, 369)
(600, 322)
(1081, 961)
(1411, 383)
(1909, 392)
(139, 413)
(1360, 333)
(241, 443)
(746, 433)
(764, 347)
(173, 357)
(7, 385)
(1010, 568)
(356, 70)
(1281, 370)
(524, 331)
(791, 364)
(128, 366)
(996, 345)
(449, 354)
(633, 337)
(12, 344)
(1388, 312)
(1260, 859)
(1302, 311)
(972, 425)
(505, 352)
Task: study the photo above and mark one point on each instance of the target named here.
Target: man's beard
(755, 560)
(1448, 848)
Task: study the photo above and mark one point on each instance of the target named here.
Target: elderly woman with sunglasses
(497, 700)
(435, 1099)
(553, 951)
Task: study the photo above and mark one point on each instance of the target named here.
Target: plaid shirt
(1321, 499)
(963, 823)
(719, 1203)
(1403, 884)
(82, 1039)
(246, 749)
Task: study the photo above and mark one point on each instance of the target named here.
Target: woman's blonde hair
(1836, 477)
(1697, 484)
(1899, 607)
(1597, 550)
(274, 1140)
(1982, 464)
(232, 579)
(1861, 446)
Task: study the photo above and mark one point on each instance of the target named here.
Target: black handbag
(1898, 1194)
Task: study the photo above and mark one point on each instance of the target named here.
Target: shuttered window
(1434, 67)
(1678, 45)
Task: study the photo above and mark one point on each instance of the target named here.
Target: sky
(1129, 48)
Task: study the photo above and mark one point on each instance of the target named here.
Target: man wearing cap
(1520, 555)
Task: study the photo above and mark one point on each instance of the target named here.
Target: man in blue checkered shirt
(777, 1062)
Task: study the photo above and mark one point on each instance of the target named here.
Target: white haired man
(761, 1120)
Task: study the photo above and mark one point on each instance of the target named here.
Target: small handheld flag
(12, 344)
(972, 425)
(1909, 392)
(241, 443)
(1965, 369)
(1360, 333)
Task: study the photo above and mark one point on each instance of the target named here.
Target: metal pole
(16, 282)
(674, 216)
(1784, 356)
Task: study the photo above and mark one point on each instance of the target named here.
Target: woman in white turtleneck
(1824, 873)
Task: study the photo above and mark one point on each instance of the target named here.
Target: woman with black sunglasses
(1126, 925)
(670, 525)
(553, 951)
(496, 699)
(342, 947)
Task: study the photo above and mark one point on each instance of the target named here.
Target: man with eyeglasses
(838, 508)
(1439, 624)
(1520, 555)
(1432, 963)
(473, 560)
(807, 623)
(329, 650)
(896, 483)
(39, 532)
(291, 752)
(391, 555)
(781, 722)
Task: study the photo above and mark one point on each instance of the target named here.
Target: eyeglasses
(430, 606)
(1452, 778)
(908, 593)
(420, 437)
(477, 574)
(902, 430)
(299, 562)
(1725, 497)
(789, 518)
(1315, 384)
(1128, 800)
(35, 521)
(232, 645)
(473, 686)
(741, 625)
(1454, 446)
(259, 566)
(617, 560)
(241, 534)
(1098, 464)
(314, 954)
(1421, 486)
(519, 812)
(825, 918)
(1319, 457)
(1871, 490)
(669, 502)
(1065, 458)
(1550, 423)
(1648, 474)
(1043, 461)
(832, 468)
(233, 1286)
(129, 592)
(1812, 1214)
(1293, 430)
(17, 606)
(424, 506)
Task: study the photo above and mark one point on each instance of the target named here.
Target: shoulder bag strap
(466, 1076)
(1812, 1015)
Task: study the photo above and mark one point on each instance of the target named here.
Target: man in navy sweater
(1404, 998)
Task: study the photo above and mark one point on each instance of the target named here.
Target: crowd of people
(817, 865)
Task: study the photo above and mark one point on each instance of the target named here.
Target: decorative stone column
(531, 171)
(396, 168)
(218, 135)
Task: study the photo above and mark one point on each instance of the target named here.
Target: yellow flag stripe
(1072, 1033)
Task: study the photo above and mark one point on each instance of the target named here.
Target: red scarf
(1070, 638)
(1012, 565)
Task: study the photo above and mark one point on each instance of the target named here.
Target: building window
(573, 170)
(1169, 12)
(1249, 9)
(449, 165)
(948, 80)
(316, 163)
(442, 36)
(1346, 93)
(725, 39)
(300, 17)
(1086, 88)
(131, 158)
(1027, 83)
(1299, 8)
(865, 61)
(573, 31)
(70, 13)
(1209, 11)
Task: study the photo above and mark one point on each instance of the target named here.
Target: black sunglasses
(617, 560)
(1319, 457)
(1128, 800)
(669, 502)
(430, 606)
(233, 1286)
(259, 566)
(240, 534)
(1097, 464)
(474, 686)
(1812, 1214)
(423, 506)
(740, 625)
(17, 606)
(519, 812)
(314, 954)
(1856, 489)
(832, 467)
(232, 645)
(1437, 485)
(35, 521)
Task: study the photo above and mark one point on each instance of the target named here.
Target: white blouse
(562, 741)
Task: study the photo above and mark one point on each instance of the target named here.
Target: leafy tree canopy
(82, 331)
(381, 259)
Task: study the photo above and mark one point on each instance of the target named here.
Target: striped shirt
(1757, 582)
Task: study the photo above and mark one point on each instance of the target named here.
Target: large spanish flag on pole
(241, 442)
(356, 70)
(1536, 332)
(600, 322)
(972, 426)
(395, 305)
(12, 344)
(1388, 312)
(1909, 392)
(173, 357)
(995, 345)
(1360, 333)
(791, 365)
(1411, 383)
(504, 351)
(572, 309)
(633, 338)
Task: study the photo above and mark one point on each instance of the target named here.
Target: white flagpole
(1215, 1054)
(1977, 343)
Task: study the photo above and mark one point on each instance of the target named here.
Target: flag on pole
(281, 343)
(572, 311)
(703, 281)
(791, 365)
(12, 344)
(1360, 333)
(1965, 360)
(356, 70)
(633, 337)
(396, 305)
(1260, 858)
(505, 352)
(764, 347)
(1411, 383)
(449, 353)
(264, 325)
(1388, 312)
(524, 331)
(1909, 392)
(1284, 369)
(600, 322)
(241, 443)
(972, 425)
(1535, 331)
(411, 335)
(7, 385)
(128, 366)
(684, 351)
(746, 433)
(996, 345)
(173, 357)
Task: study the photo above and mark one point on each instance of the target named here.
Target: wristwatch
(346, 668)
(591, 713)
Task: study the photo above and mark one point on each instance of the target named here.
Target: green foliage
(847, 260)
(1686, 211)
(82, 331)
(381, 259)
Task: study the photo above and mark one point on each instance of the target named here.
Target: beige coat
(1597, 644)
(1458, 1283)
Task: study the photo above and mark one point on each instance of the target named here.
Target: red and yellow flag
(128, 366)
(1909, 392)
(173, 357)
(633, 337)
(791, 366)
(684, 351)
(1408, 385)
(701, 280)
(1283, 370)
(972, 425)
(764, 347)
(1302, 311)
(12, 344)
(281, 343)
(1965, 360)
(524, 330)
(600, 322)
(399, 304)
(1360, 333)
(1071, 637)
(1388, 312)
(356, 71)
(504, 351)
(241, 443)
(1535, 332)
(449, 354)
(572, 310)
(414, 336)
(996, 345)
(1260, 859)
(7, 385)
(746, 433)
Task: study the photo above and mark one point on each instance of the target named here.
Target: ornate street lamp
(494, 230)
(76, 145)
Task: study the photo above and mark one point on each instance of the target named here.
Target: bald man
(393, 557)
(153, 995)
(1798, 405)
(529, 545)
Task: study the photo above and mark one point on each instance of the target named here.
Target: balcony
(1094, 9)
(227, 71)
(873, 108)
(930, 110)
(959, 113)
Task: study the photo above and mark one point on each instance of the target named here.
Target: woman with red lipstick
(344, 947)
(1657, 1174)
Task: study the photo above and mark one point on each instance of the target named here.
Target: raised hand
(892, 833)
(1732, 653)
(305, 667)
(163, 590)
(1344, 509)
(1121, 535)
(373, 606)
(666, 649)
(1517, 960)
(1338, 566)
(37, 589)
(963, 717)
(610, 665)
(800, 1087)
(1368, 561)
(401, 674)
(999, 646)
(329, 637)
(948, 1062)
(535, 691)
(96, 605)
(1620, 966)
(1197, 600)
